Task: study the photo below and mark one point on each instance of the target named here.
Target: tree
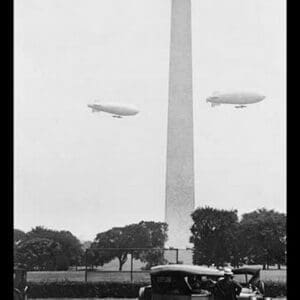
(70, 245)
(38, 253)
(62, 262)
(117, 237)
(86, 245)
(19, 236)
(121, 240)
(156, 233)
(264, 235)
(213, 235)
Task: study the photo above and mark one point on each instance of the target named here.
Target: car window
(241, 278)
(174, 284)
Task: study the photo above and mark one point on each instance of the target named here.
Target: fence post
(85, 271)
(131, 266)
(177, 256)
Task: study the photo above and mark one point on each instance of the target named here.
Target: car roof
(246, 270)
(190, 269)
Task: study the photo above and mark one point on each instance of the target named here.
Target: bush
(67, 289)
(275, 288)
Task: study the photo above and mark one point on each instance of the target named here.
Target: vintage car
(182, 282)
(250, 280)
(188, 282)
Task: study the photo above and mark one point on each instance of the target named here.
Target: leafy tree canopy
(141, 235)
(70, 245)
(218, 237)
(19, 236)
(213, 235)
(264, 235)
(38, 253)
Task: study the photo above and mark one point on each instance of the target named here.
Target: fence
(130, 264)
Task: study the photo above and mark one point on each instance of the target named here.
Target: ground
(272, 274)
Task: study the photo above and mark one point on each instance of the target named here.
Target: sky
(87, 173)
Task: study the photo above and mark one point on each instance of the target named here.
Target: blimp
(239, 99)
(117, 110)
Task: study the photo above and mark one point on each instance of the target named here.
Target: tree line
(144, 235)
(218, 237)
(47, 249)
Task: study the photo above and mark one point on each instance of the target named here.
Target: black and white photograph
(149, 150)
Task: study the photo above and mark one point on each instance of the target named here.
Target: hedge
(275, 289)
(67, 289)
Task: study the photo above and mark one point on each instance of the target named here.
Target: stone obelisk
(180, 154)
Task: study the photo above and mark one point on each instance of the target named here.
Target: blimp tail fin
(92, 108)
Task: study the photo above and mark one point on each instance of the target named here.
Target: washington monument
(180, 155)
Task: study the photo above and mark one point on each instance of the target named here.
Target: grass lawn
(274, 275)
(92, 276)
(38, 276)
